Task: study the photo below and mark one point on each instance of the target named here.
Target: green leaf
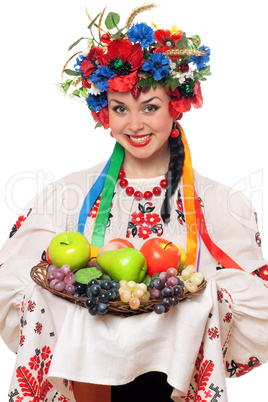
(76, 92)
(85, 274)
(117, 34)
(147, 280)
(98, 125)
(173, 83)
(71, 72)
(83, 92)
(156, 275)
(146, 82)
(183, 42)
(202, 74)
(75, 43)
(112, 20)
(93, 22)
(66, 85)
(192, 44)
(105, 277)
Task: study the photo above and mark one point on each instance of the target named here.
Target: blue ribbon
(91, 198)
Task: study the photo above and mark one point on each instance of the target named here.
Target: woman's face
(143, 125)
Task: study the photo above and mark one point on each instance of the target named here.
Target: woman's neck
(138, 168)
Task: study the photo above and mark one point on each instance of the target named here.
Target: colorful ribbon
(189, 204)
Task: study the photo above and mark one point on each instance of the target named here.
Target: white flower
(172, 67)
(93, 90)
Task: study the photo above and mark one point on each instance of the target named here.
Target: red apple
(160, 255)
(114, 245)
(124, 241)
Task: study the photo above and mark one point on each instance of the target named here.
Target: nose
(136, 122)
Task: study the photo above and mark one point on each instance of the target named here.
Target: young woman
(138, 86)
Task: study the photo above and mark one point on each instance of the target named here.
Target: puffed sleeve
(29, 238)
(247, 343)
(232, 224)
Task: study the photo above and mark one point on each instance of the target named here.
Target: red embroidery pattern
(203, 371)
(18, 223)
(145, 222)
(213, 333)
(22, 338)
(38, 328)
(30, 384)
(262, 273)
(239, 369)
(31, 306)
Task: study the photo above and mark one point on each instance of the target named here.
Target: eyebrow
(146, 101)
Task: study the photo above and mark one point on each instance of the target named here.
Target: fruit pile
(119, 272)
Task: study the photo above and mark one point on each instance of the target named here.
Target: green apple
(69, 248)
(125, 263)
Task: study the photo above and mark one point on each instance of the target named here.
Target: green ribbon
(107, 196)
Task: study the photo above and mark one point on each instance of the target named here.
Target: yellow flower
(174, 30)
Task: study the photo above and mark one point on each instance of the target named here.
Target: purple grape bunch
(98, 293)
(167, 287)
(61, 279)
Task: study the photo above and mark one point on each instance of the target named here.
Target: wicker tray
(38, 275)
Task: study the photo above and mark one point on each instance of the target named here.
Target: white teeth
(140, 139)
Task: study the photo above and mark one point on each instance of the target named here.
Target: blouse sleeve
(247, 345)
(29, 239)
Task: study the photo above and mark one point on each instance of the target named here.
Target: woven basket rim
(120, 308)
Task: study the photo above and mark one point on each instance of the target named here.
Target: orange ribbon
(189, 203)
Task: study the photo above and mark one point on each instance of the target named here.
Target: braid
(174, 173)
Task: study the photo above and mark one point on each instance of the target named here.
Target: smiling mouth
(139, 140)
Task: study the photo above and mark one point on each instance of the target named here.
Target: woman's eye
(150, 108)
(119, 109)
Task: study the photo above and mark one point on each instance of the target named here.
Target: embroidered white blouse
(221, 332)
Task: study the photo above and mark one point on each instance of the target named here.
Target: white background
(45, 135)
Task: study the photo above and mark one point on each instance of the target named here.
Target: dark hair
(174, 173)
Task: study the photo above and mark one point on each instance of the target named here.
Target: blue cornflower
(96, 102)
(201, 61)
(142, 33)
(79, 60)
(101, 76)
(158, 66)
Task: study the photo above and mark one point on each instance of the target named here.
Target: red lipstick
(140, 143)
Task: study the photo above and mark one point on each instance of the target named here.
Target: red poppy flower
(124, 50)
(167, 41)
(102, 117)
(124, 59)
(181, 105)
(144, 232)
(137, 218)
(152, 219)
(91, 62)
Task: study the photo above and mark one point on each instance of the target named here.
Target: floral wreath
(136, 58)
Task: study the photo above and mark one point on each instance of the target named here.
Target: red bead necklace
(138, 195)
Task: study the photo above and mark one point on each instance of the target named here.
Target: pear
(125, 263)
